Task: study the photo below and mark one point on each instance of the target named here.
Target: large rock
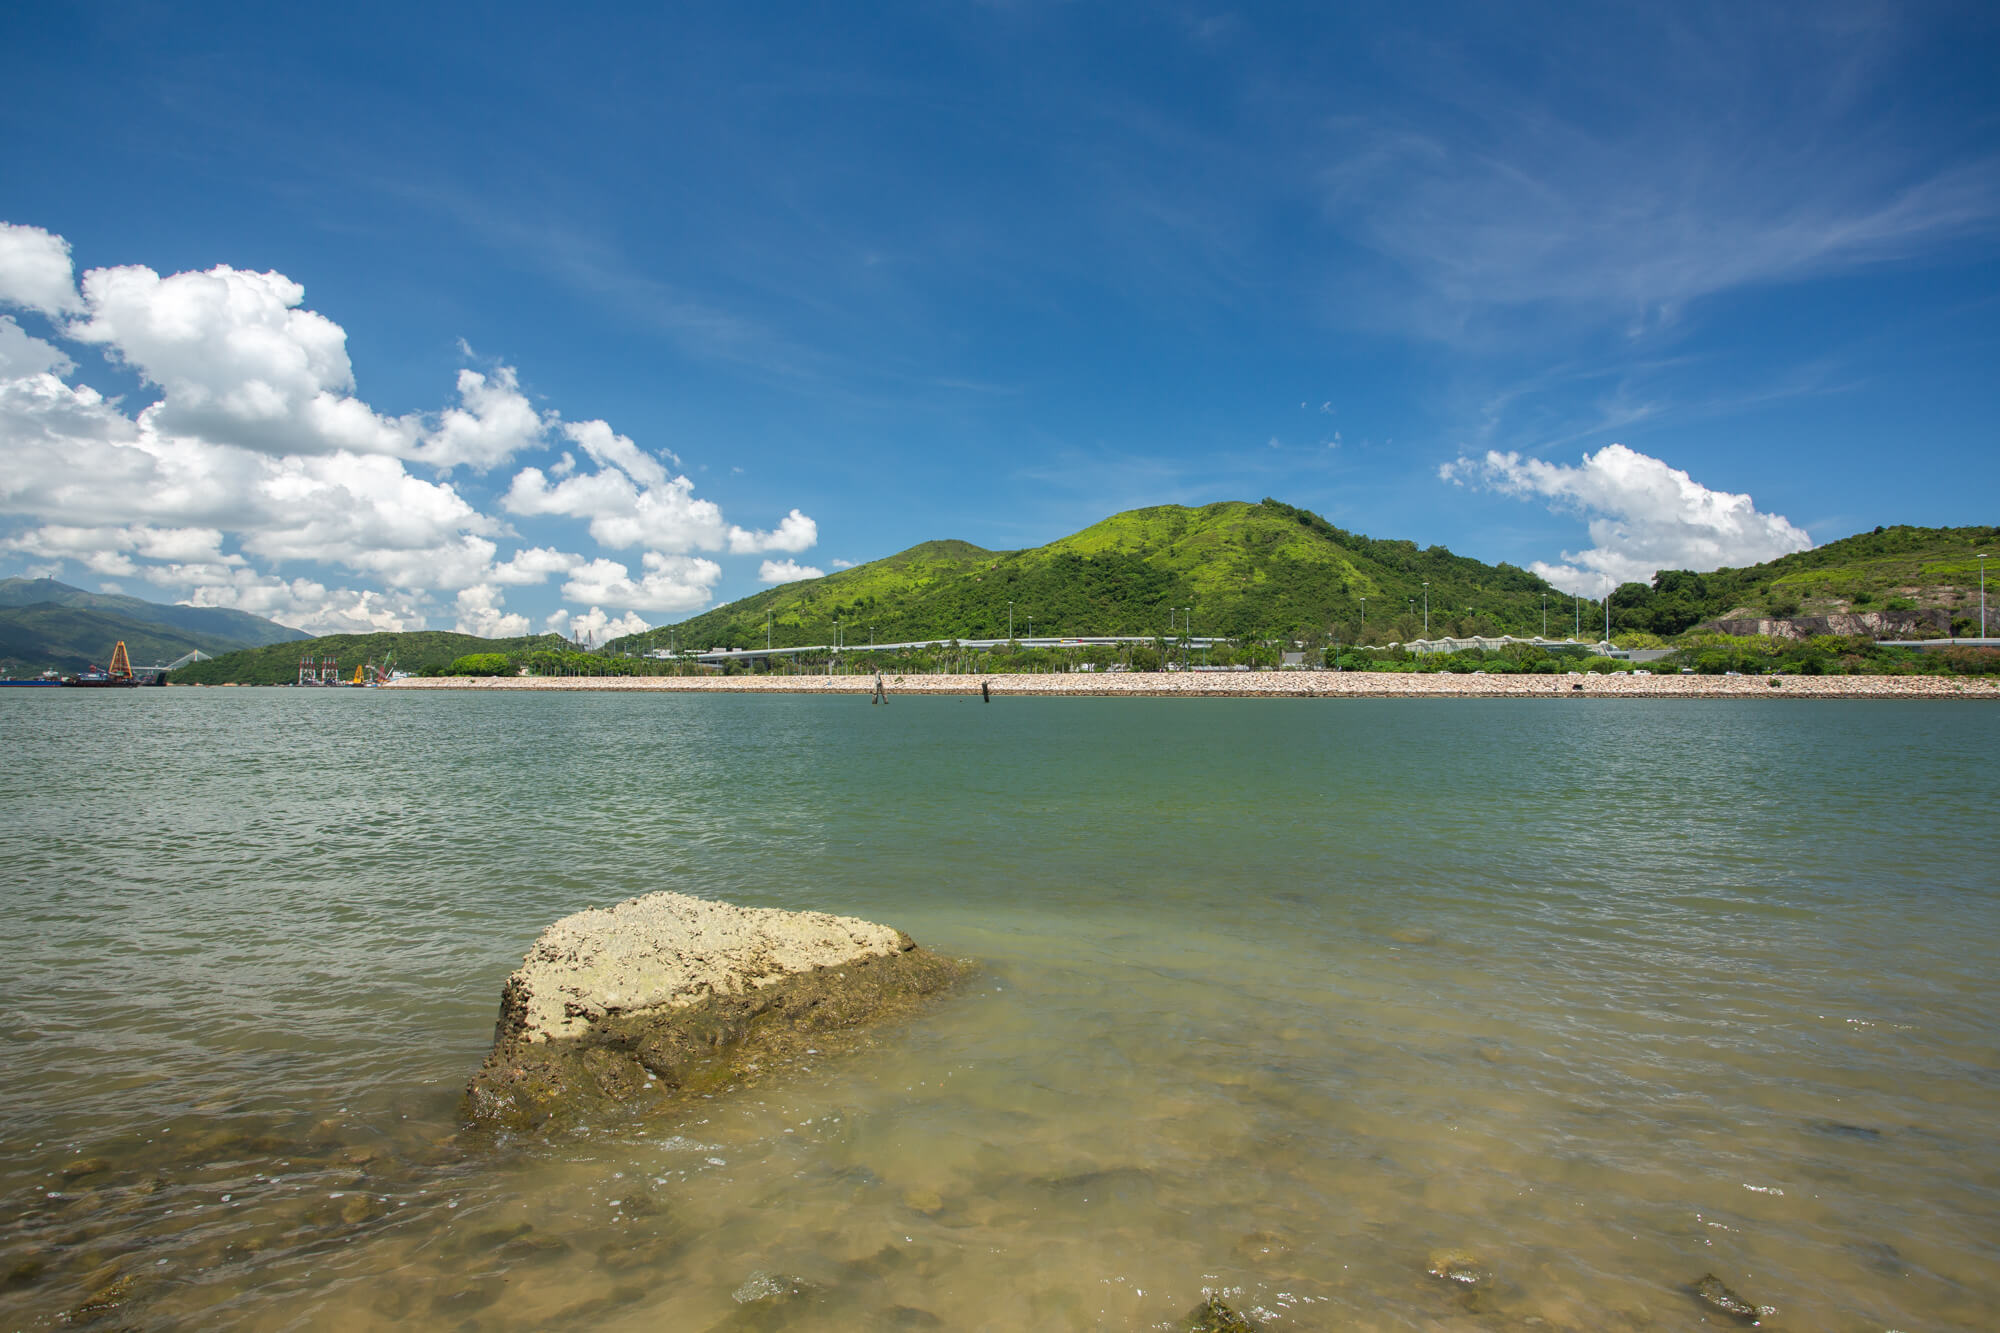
(630, 1007)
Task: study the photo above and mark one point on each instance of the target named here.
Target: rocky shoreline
(625, 1010)
(1263, 684)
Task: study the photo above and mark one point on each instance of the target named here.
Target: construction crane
(121, 663)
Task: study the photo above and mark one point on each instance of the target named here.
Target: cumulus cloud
(35, 270)
(302, 603)
(620, 513)
(535, 564)
(237, 360)
(493, 422)
(786, 571)
(256, 452)
(669, 583)
(480, 613)
(596, 626)
(838, 563)
(22, 355)
(1644, 516)
(795, 533)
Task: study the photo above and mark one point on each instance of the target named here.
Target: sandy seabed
(1266, 684)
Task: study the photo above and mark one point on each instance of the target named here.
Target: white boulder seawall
(1265, 685)
(620, 1010)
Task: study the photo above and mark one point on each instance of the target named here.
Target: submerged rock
(667, 995)
(1213, 1316)
(1463, 1270)
(1711, 1292)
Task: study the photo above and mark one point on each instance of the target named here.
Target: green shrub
(481, 664)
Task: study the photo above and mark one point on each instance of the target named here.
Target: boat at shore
(45, 680)
(96, 677)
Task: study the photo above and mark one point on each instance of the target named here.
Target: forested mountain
(1232, 568)
(1898, 568)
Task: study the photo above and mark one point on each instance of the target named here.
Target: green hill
(1898, 568)
(1245, 569)
(278, 664)
(49, 625)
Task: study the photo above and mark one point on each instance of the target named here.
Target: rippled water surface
(1289, 999)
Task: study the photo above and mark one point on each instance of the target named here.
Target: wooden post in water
(985, 694)
(881, 695)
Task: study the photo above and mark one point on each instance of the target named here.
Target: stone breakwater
(619, 1010)
(1267, 684)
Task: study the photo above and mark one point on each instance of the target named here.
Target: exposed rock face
(619, 1009)
(1874, 624)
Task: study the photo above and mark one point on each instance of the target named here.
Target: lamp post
(1983, 595)
(1364, 615)
(1010, 622)
(1545, 615)
(767, 631)
(1427, 608)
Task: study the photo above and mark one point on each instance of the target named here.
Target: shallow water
(1289, 999)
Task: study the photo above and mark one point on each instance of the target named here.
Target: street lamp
(1982, 594)
(1545, 615)
(1010, 622)
(1427, 608)
(1364, 613)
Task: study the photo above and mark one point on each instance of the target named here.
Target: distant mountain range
(46, 625)
(414, 650)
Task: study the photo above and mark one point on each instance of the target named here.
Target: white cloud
(257, 455)
(96, 545)
(622, 515)
(535, 565)
(596, 626)
(494, 422)
(614, 450)
(479, 613)
(786, 571)
(22, 355)
(35, 270)
(670, 583)
(236, 359)
(795, 533)
(1645, 516)
(301, 603)
(843, 564)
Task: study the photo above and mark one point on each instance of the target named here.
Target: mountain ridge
(46, 625)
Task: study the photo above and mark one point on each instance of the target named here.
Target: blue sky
(514, 317)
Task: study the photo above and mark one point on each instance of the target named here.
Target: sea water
(1293, 1000)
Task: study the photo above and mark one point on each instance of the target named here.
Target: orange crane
(121, 663)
